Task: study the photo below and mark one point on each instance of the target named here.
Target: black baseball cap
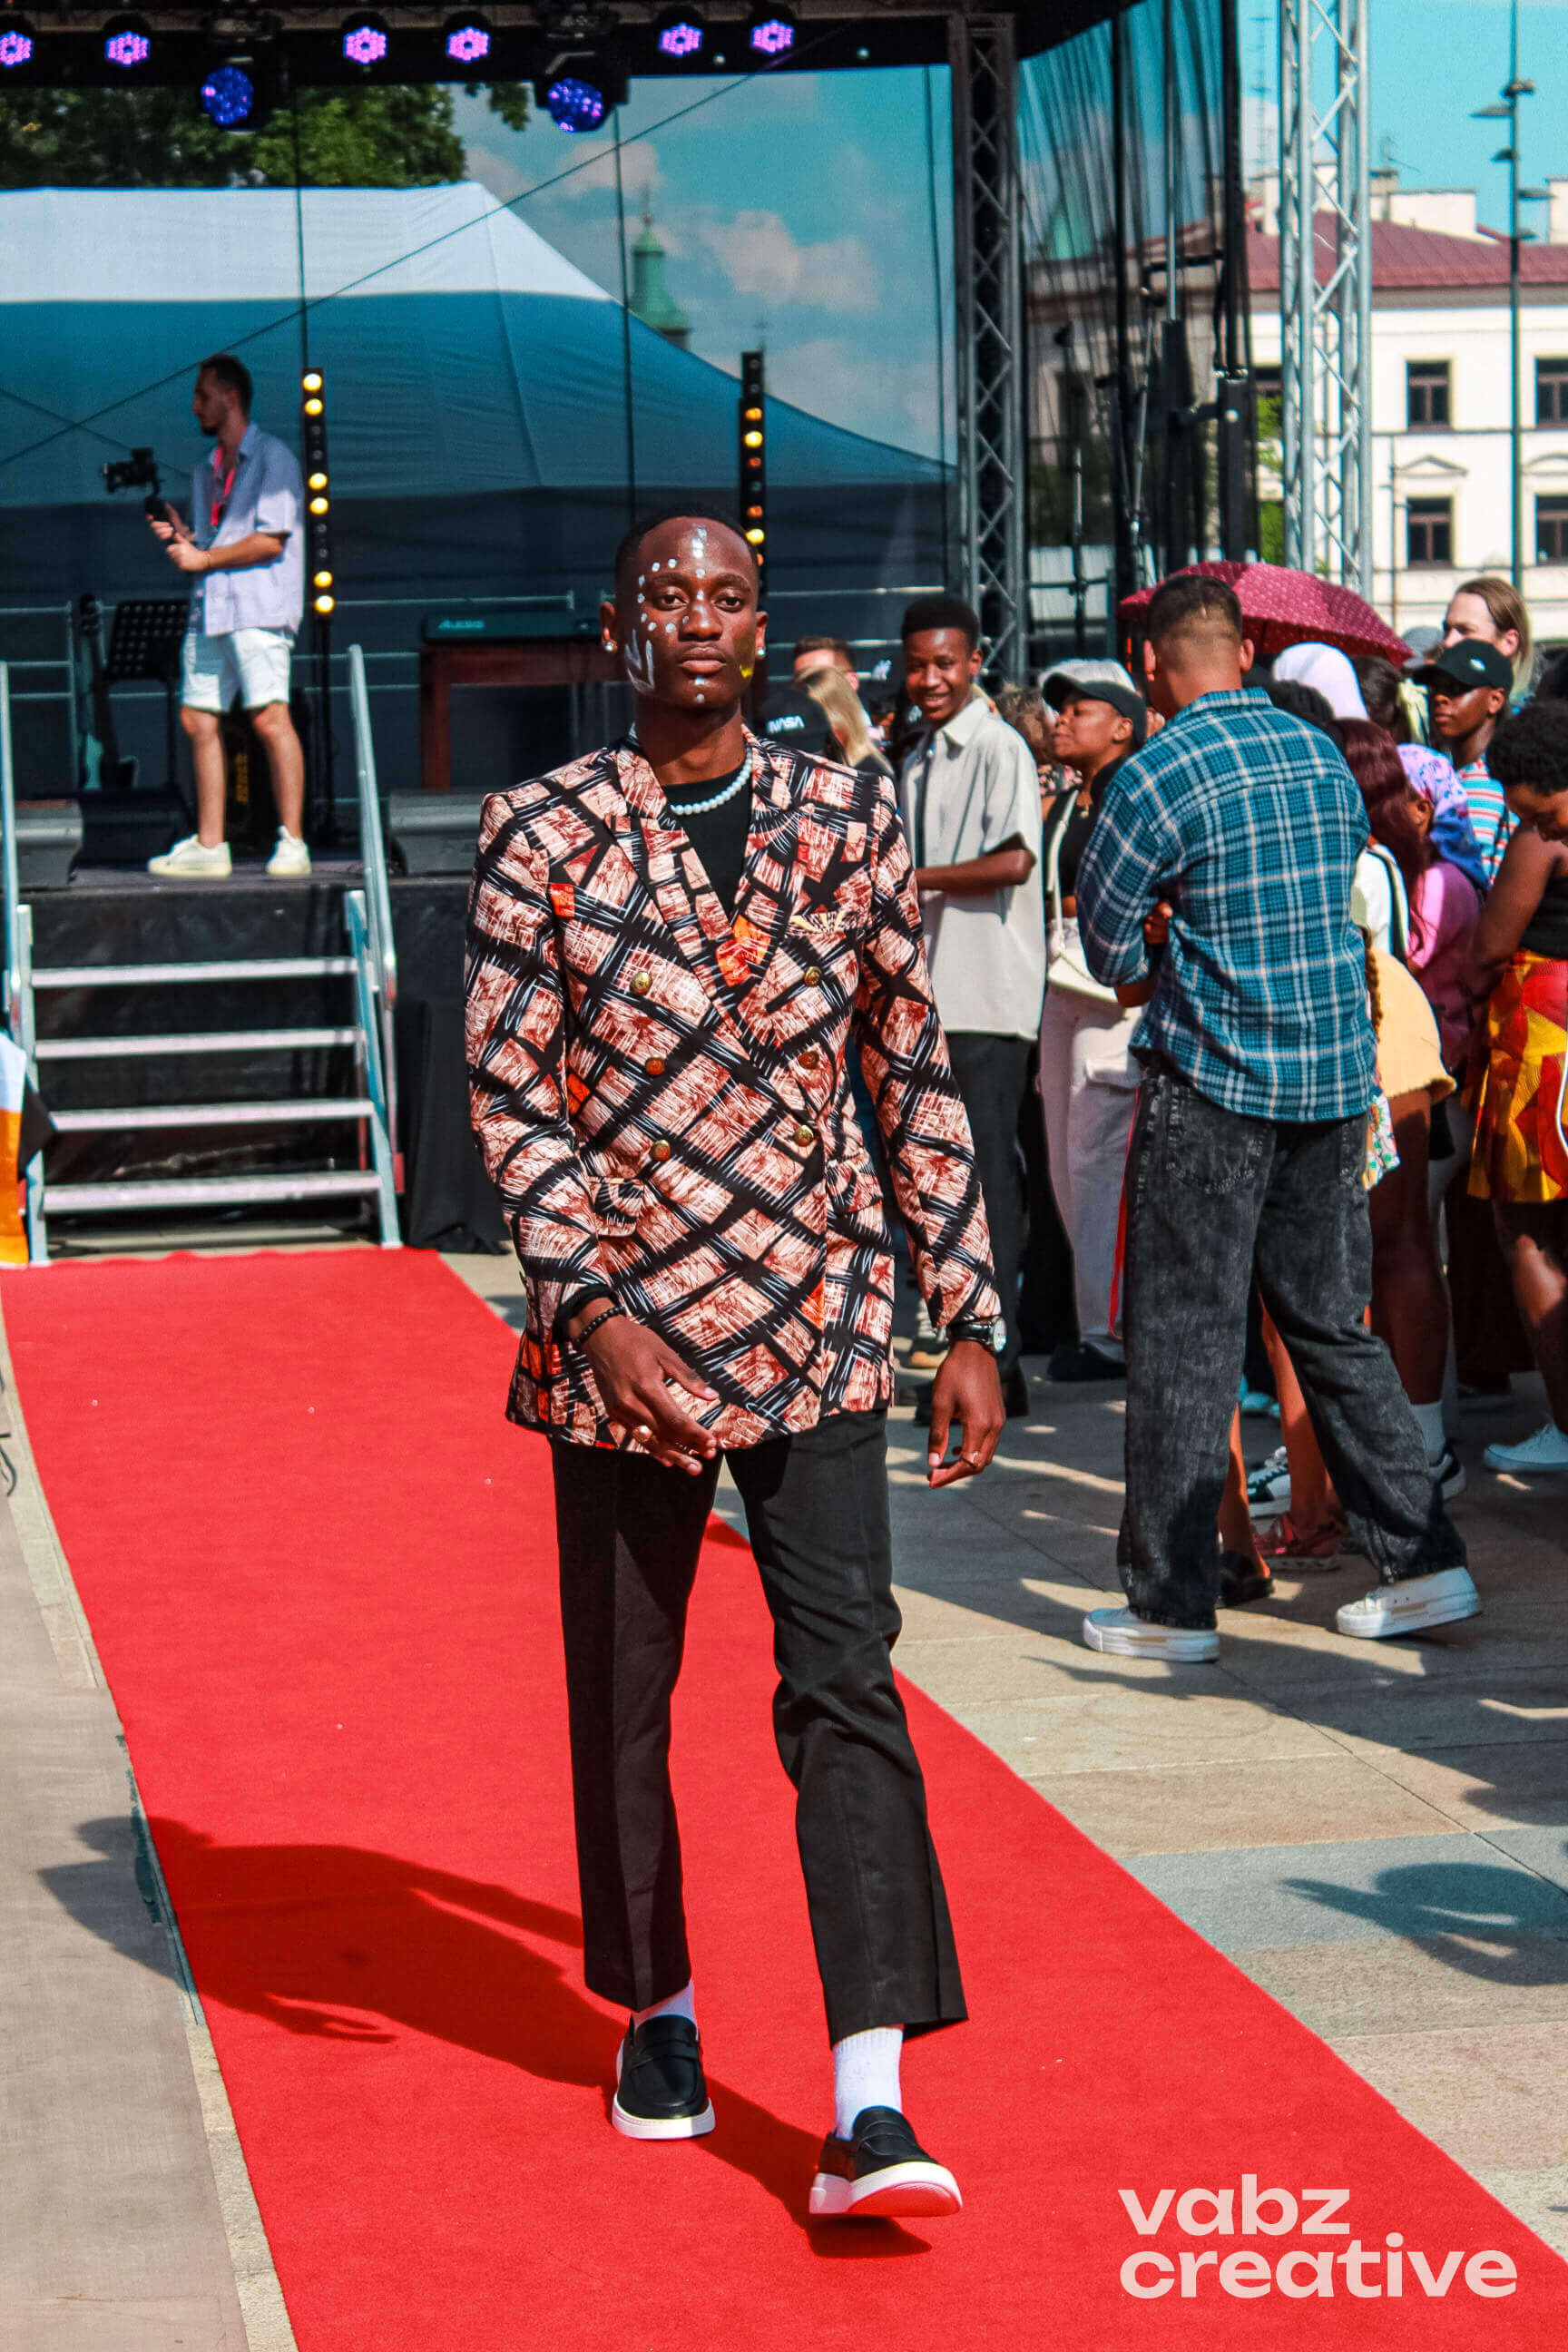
(1061, 688)
(1467, 663)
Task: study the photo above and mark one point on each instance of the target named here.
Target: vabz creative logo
(1388, 2269)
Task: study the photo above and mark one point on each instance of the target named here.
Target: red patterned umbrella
(1292, 608)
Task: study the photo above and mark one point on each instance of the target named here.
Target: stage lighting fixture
(770, 33)
(574, 104)
(317, 502)
(16, 45)
(679, 33)
(465, 40)
(127, 42)
(366, 40)
(753, 426)
(228, 97)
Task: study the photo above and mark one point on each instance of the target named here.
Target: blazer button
(656, 1068)
(811, 975)
(641, 983)
(660, 1150)
(808, 1057)
(805, 1134)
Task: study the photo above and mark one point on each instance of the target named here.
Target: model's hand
(637, 1376)
(965, 1393)
(184, 555)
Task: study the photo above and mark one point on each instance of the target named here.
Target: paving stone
(1322, 1798)
(1491, 2095)
(1419, 1984)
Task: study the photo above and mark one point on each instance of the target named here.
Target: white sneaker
(1124, 1635)
(190, 860)
(290, 856)
(1547, 1450)
(1410, 1607)
(1269, 1487)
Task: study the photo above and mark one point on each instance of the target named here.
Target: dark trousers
(817, 1512)
(993, 1076)
(1211, 1197)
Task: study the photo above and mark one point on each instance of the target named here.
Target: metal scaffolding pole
(992, 482)
(1325, 288)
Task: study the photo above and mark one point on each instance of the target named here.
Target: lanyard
(221, 490)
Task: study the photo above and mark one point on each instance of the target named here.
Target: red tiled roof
(1416, 258)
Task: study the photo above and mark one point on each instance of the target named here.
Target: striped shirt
(1493, 821)
(1249, 823)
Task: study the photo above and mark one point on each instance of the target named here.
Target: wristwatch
(977, 1327)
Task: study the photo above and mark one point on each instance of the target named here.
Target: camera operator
(245, 558)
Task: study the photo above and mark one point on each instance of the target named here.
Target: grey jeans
(1214, 1199)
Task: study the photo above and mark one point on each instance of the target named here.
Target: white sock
(865, 2074)
(1429, 1422)
(679, 2004)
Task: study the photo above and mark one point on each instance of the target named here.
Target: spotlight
(465, 40)
(228, 97)
(753, 425)
(127, 42)
(574, 104)
(770, 33)
(16, 45)
(318, 504)
(680, 32)
(364, 40)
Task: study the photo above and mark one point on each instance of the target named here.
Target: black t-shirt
(717, 835)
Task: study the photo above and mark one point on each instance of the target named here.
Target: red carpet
(318, 1565)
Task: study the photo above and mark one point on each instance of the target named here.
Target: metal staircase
(368, 963)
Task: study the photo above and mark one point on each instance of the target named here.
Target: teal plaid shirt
(1249, 823)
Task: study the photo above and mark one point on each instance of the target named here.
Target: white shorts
(250, 663)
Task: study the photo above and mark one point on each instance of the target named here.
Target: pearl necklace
(701, 808)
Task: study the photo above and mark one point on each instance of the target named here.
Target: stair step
(212, 1191)
(286, 1113)
(149, 975)
(197, 1041)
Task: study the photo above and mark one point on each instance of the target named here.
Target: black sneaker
(1449, 1472)
(1240, 1583)
(661, 2092)
(1081, 1362)
(881, 2173)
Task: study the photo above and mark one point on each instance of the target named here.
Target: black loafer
(1081, 1362)
(661, 2092)
(881, 2173)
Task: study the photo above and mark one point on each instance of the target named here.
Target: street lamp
(1507, 110)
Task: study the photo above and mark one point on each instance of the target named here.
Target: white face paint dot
(656, 567)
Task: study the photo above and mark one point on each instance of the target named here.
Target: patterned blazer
(661, 1095)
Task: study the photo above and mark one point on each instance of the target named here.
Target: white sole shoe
(189, 862)
(661, 2127)
(1120, 1634)
(896, 2191)
(289, 858)
(1411, 1607)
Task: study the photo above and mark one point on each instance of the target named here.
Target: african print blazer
(662, 1098)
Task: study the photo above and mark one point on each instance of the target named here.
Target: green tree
(396, 137)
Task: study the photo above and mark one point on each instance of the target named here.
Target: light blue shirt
(267, 495)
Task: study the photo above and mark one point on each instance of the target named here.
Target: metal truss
(992, 488)
(1325, 288)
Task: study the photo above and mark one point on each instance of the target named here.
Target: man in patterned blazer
(673, 946)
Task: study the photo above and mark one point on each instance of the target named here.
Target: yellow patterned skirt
(1519, 1079)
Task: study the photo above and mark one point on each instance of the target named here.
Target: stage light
(770, 33)
(127, 42)
(326, 605)
(574, 104)
(228, 97)
(753, 425)
(321, 580)
(465, 40)
(364, 40)
(680, 32)
(16, 45)
(317, 482)
(318, 503)
(313, 406)
(310, 381)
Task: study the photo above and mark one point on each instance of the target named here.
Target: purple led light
(128, 48)
(773, 37)
(365, 45)
(467, 45)
(681, 40)
(15, 48)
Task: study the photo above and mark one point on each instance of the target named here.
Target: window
(1552, 529)
(1552, 392)
(1425, 395)
(1429, 532)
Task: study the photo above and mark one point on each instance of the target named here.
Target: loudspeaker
(48, 840)
(434, 832)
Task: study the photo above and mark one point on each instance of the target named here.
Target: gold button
(805, 1134)
(809, 1058)
(656, 1068)
(813, 974)
(660, 1150)
(641, 983)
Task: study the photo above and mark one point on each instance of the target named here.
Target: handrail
(13, 888)
(378, 897)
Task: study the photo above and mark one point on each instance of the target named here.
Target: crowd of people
(1130, 892)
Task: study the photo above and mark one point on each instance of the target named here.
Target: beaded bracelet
(606, 1313)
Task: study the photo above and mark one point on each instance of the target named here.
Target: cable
(941, 350)
(625, 338)
(584, 163)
